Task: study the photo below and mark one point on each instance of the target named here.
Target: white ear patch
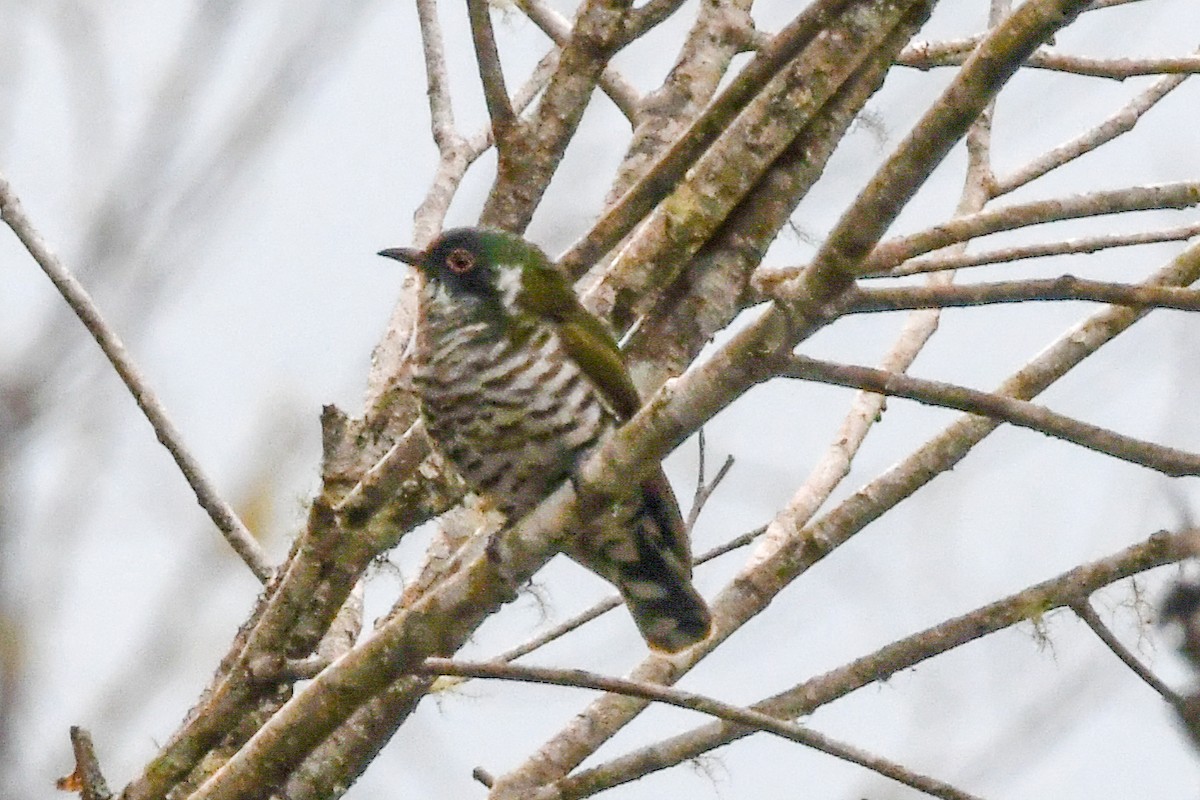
(508, 282)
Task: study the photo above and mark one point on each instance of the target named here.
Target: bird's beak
(406, 254)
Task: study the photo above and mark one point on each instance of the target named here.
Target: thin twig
(893, 256)
(924, 56)
(647, 15)
(705, 490)
(1065, 287)
(1022, 413)
(1083, 244)
(561, 629)
(1083, 609)
(441, 110)
(1116, 125)
(700, 703)
(220, 512)
(1114, 68)
(888, 254)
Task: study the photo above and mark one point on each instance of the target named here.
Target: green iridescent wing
(547, 295)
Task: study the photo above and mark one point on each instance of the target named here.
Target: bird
(517, 382)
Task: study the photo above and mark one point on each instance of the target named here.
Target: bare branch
(455, 156)
(529, 161)
(87, 779)
(893, 256)
(802, 699)
(220, 512)
(1166, 460)
(1115, 68)
(613, 601)
(657, 182)
(1083, 609)
(648, 15)
(488, 56)
(623, 94)
(1118, 124)
(893, 252)
(441, 109)
(713, 288)
(561, 629)
(1065, 287)
(736, 715)
(926, 55)
(379, 483)
(1085, 244)
(703, 60)
(705, 490)
(680, 408)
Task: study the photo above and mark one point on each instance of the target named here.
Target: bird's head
(478, 263)
(479, 274)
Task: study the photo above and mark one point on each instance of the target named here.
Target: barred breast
(512, 418)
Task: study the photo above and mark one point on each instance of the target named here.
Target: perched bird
(517, 382)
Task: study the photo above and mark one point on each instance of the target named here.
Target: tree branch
(623, 94)
(1116, 125)
(803, 699)
(1167, 460)
(713, 288)
(892, 253)
(927, 55)
(490, 72)
(1083, 609)
(666, 173)
(736, 715)
(747, 358)
(1086, 244)
(529, 161)
(1065, 287)
(87, 779)
(220, 512)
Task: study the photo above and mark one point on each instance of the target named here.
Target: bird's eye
(460, 261)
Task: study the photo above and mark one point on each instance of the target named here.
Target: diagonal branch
(1065, 287)
(926, 56)
(736, 715)
(490, 72)
(219, 511)
(1083, 244)
(1167, 460)
(623, 94)
(1083, 609)
(528, 162)
(1035, 601)
(660, 179)
(890, 254)
(1116, 125)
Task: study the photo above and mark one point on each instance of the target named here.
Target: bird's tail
(669, 612)
(646, 555)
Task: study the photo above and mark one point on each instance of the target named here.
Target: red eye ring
(460, 261)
